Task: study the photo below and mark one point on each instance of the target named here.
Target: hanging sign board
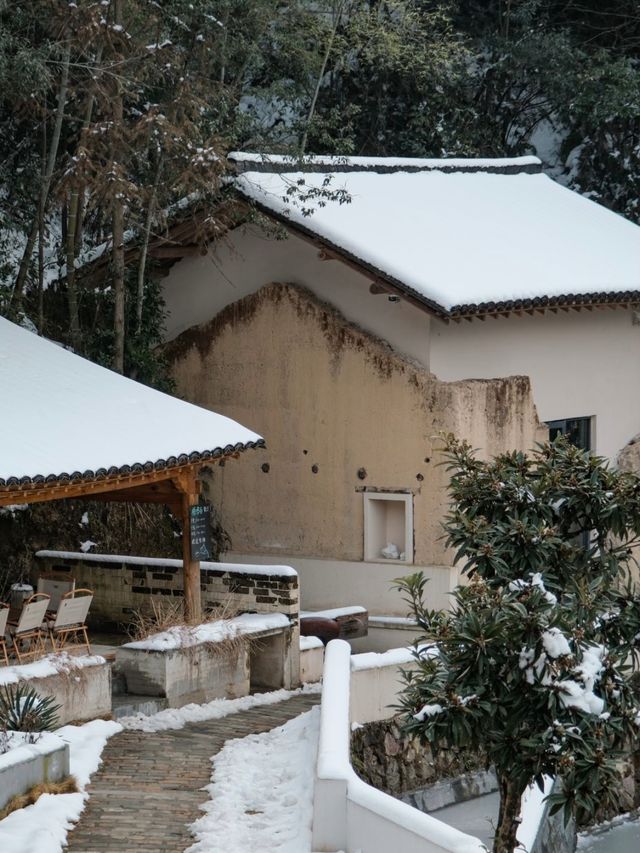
(200, 527)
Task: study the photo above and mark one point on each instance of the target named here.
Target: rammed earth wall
(342, 412)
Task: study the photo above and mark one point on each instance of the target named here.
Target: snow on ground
(261, 796)
(43, 826)
(177, 718)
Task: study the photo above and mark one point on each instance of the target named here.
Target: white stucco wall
(197, 288)
(581, 364)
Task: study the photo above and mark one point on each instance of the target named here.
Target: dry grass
(66, 786)
(164, 614)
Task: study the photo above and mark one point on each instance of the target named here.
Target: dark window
(577, 430)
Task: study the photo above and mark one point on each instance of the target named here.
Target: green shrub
(23, 710)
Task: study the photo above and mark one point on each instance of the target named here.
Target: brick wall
(122, 585)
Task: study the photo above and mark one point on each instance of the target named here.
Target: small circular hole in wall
(362, 473)
(315, 469)
(420, 477)
(265, 467)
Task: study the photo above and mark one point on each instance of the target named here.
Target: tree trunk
(25, 263)
(508, 817)
(74, 229)
(636, 777)
(144, 251)
(117, 224)
(40, 323)
(321, 73)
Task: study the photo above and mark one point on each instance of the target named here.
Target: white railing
(348, 814)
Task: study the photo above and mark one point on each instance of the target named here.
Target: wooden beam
(177, 252)
(190, 568)
(89, 489)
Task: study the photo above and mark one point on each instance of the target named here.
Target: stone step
(128, 704)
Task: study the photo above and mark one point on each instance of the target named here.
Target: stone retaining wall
(396, 764)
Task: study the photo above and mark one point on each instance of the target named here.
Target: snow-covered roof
(63, 416)
(460, 236)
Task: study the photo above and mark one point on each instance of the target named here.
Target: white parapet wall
(79, 684)
(348, 814)
(26, 765)
(351, 816)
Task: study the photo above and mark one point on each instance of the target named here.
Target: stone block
(197, 673)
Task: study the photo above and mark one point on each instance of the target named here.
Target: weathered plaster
(332, 400)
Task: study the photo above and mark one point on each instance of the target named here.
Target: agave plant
(23, 710)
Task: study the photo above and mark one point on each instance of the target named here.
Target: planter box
(199, 664)
(192, 674)
(80, 685)
(32, 764)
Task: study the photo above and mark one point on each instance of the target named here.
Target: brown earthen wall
(339, 411)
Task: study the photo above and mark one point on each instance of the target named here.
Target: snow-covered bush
(535, 654)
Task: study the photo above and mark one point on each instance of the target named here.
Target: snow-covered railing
(351, 815)
(348, 814)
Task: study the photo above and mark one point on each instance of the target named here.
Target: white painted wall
(348, 814)
(581, 364)
(341, 583)
(198, 288)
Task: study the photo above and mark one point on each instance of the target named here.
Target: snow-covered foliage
(533, 658)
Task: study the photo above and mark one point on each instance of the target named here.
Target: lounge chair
(55, 586)
(28, 633)
(4, 617)
(69, 627)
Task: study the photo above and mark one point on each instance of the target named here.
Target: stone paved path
(148, 788)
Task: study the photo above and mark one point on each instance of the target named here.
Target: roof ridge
(278, 163)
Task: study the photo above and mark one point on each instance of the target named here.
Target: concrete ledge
(194, 674)
(80, 685)
(456, 790)
(32, 764)
(216, 660)
(311, 660)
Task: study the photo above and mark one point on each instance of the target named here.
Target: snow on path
(43, 827)
(261, 796)
(177, 718)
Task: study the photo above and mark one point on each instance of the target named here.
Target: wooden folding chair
(69, 628)
(55, 586)
(4, 618)
(28, 634)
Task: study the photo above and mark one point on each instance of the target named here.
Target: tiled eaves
(130, 470)
(467, 311)
(567, 301)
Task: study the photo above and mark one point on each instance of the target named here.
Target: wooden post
(190, 568)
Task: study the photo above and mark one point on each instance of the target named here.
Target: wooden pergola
(190, 437)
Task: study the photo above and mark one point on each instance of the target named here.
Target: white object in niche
(388, 527)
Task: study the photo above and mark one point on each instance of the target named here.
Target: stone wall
(388, 760)
(123, 585)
